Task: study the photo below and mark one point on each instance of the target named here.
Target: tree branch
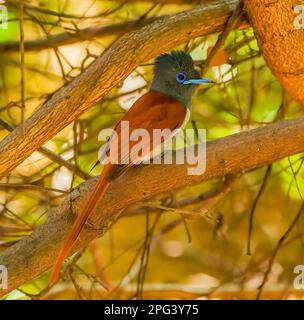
(280, 42)
(235, 154)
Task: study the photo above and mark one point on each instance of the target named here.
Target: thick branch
(231, 155)
(106, 72)
(280, 42)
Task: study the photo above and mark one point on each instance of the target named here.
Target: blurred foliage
(166, 257)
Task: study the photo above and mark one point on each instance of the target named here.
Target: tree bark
(280, 42)
(231, 155)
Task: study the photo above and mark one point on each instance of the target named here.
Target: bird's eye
(180, 77)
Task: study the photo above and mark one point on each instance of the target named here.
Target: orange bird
(166, 106)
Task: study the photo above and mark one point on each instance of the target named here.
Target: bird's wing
(153, 110)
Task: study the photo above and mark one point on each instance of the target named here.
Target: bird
(167, 105)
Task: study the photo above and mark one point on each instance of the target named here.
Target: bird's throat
(184, 99)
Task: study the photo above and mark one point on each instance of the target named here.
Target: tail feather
(94, 197)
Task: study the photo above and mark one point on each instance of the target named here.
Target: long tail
(91, 203)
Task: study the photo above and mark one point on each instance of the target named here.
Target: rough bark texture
(280, 42)
(231, 155)
(106, 72)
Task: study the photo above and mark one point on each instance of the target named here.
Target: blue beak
(198, 81)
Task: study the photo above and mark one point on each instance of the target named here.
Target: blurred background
(160, 252)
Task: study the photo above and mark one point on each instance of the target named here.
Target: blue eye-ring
(180, 77)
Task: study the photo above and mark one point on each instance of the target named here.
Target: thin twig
(21, 49)
(277, 248)
(254, 205)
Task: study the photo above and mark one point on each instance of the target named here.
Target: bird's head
(175, 76)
